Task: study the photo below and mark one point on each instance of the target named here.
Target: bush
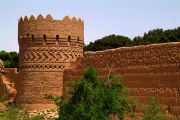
(10, 114)
(13, 113)
(93, 99)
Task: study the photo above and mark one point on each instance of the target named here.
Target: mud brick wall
(37, 84)
(1, 84)
(146, 70)
(2, 90)
(9, 75)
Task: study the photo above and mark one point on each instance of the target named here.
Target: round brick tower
(46, 49)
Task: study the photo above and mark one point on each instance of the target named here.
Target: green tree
(93, 99)
(10, 59)
(15, 59)
(151, 37)
(158, 36)
(108, 42)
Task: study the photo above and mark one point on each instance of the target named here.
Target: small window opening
(69, 38)
(57, 38)
(78, 39)
(44, 36)
(32, 38)
(27, 36)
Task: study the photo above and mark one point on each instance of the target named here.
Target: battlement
(48, 18)
(46, 31)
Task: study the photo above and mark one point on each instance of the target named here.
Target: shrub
(93, 99)
(14, 114)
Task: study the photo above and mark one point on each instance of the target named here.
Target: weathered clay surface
(7, 83)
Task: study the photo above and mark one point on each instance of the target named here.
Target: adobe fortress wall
(147, 70)
(51, 54)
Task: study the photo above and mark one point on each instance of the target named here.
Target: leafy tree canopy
(151, 37)
(93, 99)
(108, 42)
(10, 59)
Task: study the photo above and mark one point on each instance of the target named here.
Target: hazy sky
(101, 17)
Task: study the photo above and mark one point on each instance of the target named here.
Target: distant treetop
(151, 37)
(10, 59)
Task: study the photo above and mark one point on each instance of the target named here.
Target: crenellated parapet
(46, 31)
(48, 17)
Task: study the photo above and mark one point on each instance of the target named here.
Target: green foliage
(10, 114)
(24, 115)
(158, 36)
(151, 37)
(93, 99)
(15, 59)
(2, 114)
(4, 98)
(56, 99)
(13, 113)
(10, 59)
(108, 42)
(153, 111)
(37, 117)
